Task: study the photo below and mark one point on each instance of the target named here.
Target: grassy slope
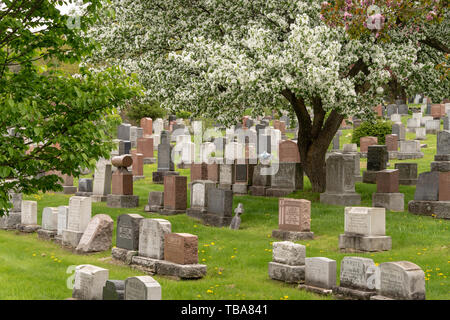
(236, 260)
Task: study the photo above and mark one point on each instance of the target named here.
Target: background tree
(218, 57)
(50, 120)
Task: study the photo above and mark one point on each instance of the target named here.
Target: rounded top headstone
(122, 161)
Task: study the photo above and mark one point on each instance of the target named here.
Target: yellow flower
(209, 291)
(212, 243)
(34, 254)
(220, 272)
(195, 226)
(286, 297)
(199, 296)
(203, 260)
(232, 257)
(437, 269)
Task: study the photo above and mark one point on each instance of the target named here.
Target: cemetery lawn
(237, 260)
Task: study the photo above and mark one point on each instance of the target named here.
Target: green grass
(237, 260)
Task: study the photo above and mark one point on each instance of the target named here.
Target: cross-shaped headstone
(236, 222)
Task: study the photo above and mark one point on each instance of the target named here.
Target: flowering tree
(50, 120)
(218, 57)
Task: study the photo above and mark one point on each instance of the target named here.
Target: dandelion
(209, 291)
(199, 296)
(212, 243)
(285, 297)
(232, 257)
(34, 254)
(220, 272)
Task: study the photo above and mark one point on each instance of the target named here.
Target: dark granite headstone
(220, 202)
(403, 109)
(85, 185)
(124, 147)
(241, 172)
(123, 131)
(391, 109)
(427, 188)
(114, 290)
(443, 142)
(377, 157)
(128, 231)
(165, 162)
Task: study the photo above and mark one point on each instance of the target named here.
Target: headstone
(427, 188)
(421, 133)
(142, 288)
(402, 280)
(89, 282)
(219, 207)
(122, 185)
(377, 159)
(29, 213)
(294, 220)
(407, 173)
(147, 126)
(432, 126)
(286, 180)
(50, 219)
(387, 195)
(124, 147)
(288, 151)
(63, 214)
(320, 273)
(80, 210)
(151, 237)
(98, 235)
(127, 236)
(399, 130)
(340, 181)
(288, 262)
(102, 181)
(181, 248)
(392, 142)
(114, 290)
(175, 194)
(365, 142)
(443, 143)
(236, 222)
(358, 275)
(364, 230)
(123, 131)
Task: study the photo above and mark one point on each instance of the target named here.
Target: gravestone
(260, 181)
(98, 235)
(142, 288)
(49, 223)
(175, 195)
(199, 197)
(407, 173)
(410, 149)
(320, 275)
(28, 221)
(122, 185)
(377, 159)
(236, 222)
(114, 290)
(199, 171)
(151, 237)
(145, 146)
(286, 180)
(340, 181)
(288, 151)
(181, 248)
(102, 181)
(427, 188)
(124, 147)
(123, 131)
(365, 142)
(226, 176)
(402, 280)
(421, 134)
(89, 282)
(399, 130)
(357, 279)
(294, 220)
(63, 214)
(387, 195)
(364, 230)
(84, 187)
(165, 161)
(288, 262)
(352, 149)
(79, 215)
(213, 170)
(147, 126)
(433, 126)
(218, 208)
(127, 234)
(155, 201)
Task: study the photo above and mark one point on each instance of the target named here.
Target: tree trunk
(314, 138)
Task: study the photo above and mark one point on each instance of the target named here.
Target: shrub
(136, 111)
(378, 129)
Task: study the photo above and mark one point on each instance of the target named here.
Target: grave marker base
(393, 154)
(83, 194)
(390, 201)
(225, 186)
(166, 268)
(46, 234)
(123, 255)
(286, 273)
(341, 199)
(409, 155)
(344, 293)
(122, 201)
(358, 243)
(370, 177)
(171, 212)
(71, 238)
(278, 192)
(292, 235)
(316, 290)
(440, 208)
(258, 191)
(239, 188)
(149, 208)
(377, 297)
(136, 178)
(407, 182)
(196, 213)
(28, 228)
(69, 190)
